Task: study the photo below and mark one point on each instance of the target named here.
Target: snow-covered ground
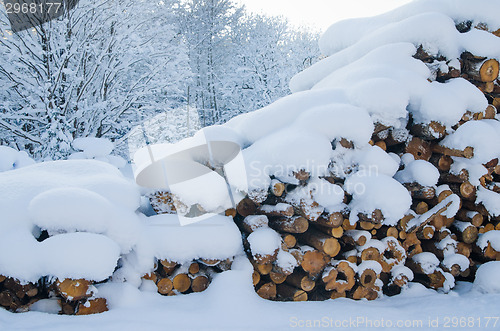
(230, 303)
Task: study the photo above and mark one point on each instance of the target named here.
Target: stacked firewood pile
(172, 278)
(336, 259)
(72, 296)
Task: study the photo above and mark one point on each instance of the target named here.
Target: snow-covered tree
(88, 73)
(241, 61)
(206, 26)
(268, 54)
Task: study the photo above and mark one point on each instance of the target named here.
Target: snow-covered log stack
(383, 166)
(64, 227)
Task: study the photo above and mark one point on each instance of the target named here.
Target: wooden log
(468, 191)
(264, 269)
(313, 262)
(394, 254)
(465, 231)
(265, 258)
(416, 224)
(246, 207)
(474, 217)
(442, 162)
(461, 177)
(370, 254)
(431, 131)
(321, 242)
(454, 267)
(346, 225)
(420, 192)
(367, 278)
(267, 291)
(254, 222)
(333, 232)
(411, 240)
(366, 226)
(340, 280)
(335, 295)
(164, 286)
(294, 224)
(168, 266)
(490, 112)
(280, 210)
(92, 306)
(255, 277)
(491, 253)
(361, 292)
(403, 222)
(20, 290)
(438, 222)
(352, 256)
(290, 293)
(381, 144)
(301, 279)
(421, 208)
(356, 237)
(400, 278)
(387, 231)
(467, 153)
(444, 194)
(482, 71)
(289, 240)
(194, 268)
(464, 249)
(181, 282)
(231, 212)
(200, 283)
(346, 143)
(74, 289)
(311, 210)
(375, 217)
(426, 233)
(298, 254)
(277, 277)
(397, 137)
(9, 300)
(333, 220)
(496, 101)
(68, 307)
(277, 188)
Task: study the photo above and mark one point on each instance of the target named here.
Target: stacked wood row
(337, 259)
(73, 296)
(312, 254)
(173, 278)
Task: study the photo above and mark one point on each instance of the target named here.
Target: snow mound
(371, 192)
(419, 171)
(96, 149)
(164, 238)
(88, 208)
(487, 277)
(11, 159)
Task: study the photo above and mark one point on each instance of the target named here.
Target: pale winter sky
(321, 13)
